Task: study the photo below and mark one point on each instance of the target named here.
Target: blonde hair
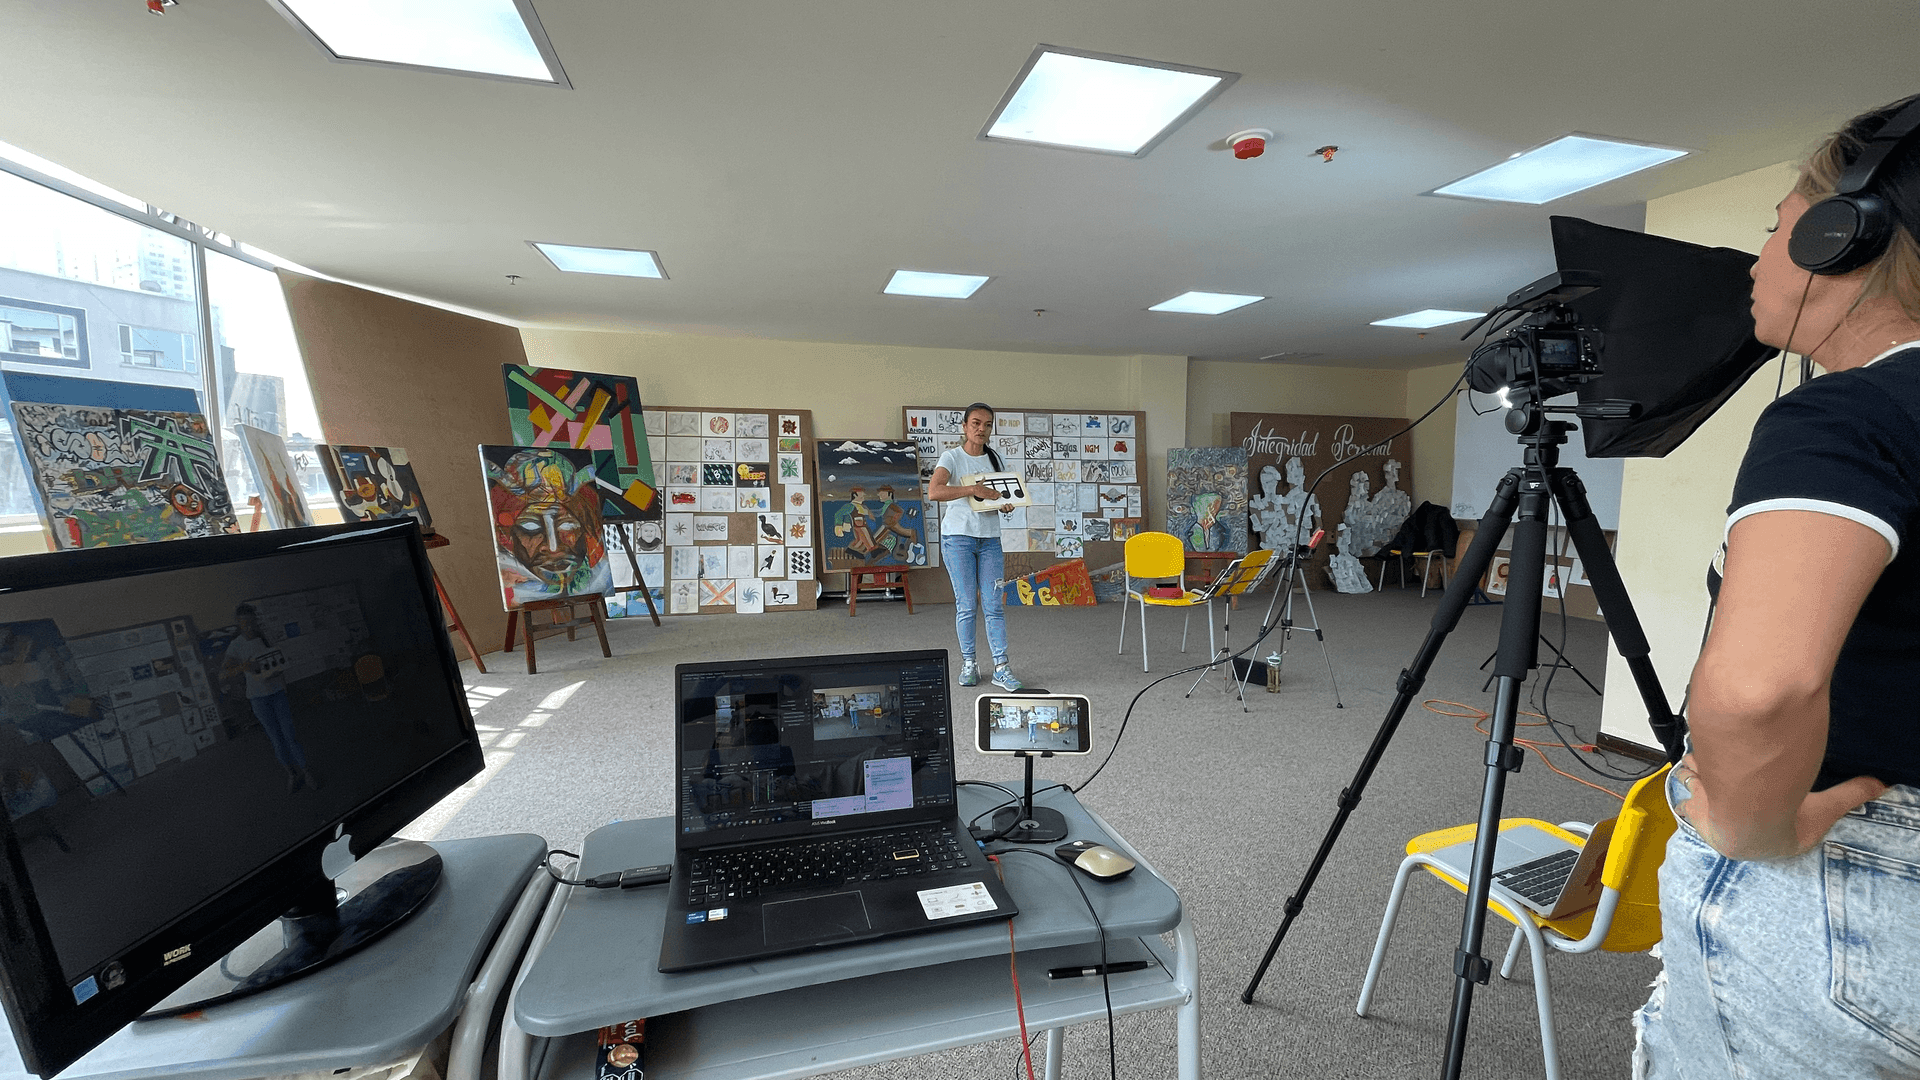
(1896, 272)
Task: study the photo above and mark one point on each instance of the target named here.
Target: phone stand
(1027, 823)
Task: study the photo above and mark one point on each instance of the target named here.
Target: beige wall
(390, 372)
(1673, 509)
(1433, 440)
(857, 391)
(1216, 389)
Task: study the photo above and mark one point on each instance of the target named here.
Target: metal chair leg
(1126, 600)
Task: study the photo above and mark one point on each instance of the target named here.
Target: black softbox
(1679, 332)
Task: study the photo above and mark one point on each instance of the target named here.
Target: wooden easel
(596, 616)
(435, 540)
(639, 580)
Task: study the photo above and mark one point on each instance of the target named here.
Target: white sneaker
(1003, 678)
(969, 673)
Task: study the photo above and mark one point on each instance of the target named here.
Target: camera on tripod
(1547, 350)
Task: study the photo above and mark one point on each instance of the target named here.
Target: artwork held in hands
(546, 520)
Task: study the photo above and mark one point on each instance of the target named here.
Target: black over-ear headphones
(1853, 226)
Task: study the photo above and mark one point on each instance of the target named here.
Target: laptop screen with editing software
(773, 748)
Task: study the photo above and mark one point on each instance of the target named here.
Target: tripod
(1521, 501)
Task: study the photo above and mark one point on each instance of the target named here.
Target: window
(35, 333)
(168, 350)
(84, 275)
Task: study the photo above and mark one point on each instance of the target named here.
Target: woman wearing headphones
(1790, 895)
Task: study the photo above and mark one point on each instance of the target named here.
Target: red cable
(1019, 1008)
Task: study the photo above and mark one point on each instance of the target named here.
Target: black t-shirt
(1848, 444)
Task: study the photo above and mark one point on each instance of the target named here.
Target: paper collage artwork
(587, 411)
(738, 497)
(546, 517)
(116, 463)
(1078, 468)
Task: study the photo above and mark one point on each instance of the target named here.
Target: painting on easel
(374, 482)
(870, 504)
(546, 524)
(118, 463)
(582, 410)
(273, 474)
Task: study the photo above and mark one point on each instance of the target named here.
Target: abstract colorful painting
(1207, 497)
(546, 523)
(870, 505)
(273, 474)
(117, 463)
(582, 410)
(374, 482)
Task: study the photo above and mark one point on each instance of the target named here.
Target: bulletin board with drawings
(1083, 471)
(739, 526)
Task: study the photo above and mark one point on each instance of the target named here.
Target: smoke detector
(1250, 143)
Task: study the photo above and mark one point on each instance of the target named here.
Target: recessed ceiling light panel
(1106, 104)
(1568, 164)
(1428, 318)
(1206, 303)
(618, 262)
(497, 39)
(929, 283)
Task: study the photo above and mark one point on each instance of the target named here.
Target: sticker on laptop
(956, 900)
(716, 914)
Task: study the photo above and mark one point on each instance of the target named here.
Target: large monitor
(188, 732)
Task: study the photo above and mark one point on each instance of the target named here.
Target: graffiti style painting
(581, 410)
(1207, 497)
(870, 506)
(273, 474)
(374, 482)
(117, 463)
(546, 523)
(1065, 584)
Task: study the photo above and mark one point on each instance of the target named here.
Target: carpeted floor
(1229, 805)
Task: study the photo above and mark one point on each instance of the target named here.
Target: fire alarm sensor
(1326, 153)
(1250, 143)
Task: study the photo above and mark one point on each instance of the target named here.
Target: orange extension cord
(1013, 964)
(1481, 716)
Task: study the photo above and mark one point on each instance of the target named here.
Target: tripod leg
(1321, 636)
(1616, 607)
(1492, 528)
(1519, 634)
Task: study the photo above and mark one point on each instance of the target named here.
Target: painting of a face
(547, 522)
(551, 541)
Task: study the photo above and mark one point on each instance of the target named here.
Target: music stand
(1239, 576)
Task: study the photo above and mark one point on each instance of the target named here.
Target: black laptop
(816, 807)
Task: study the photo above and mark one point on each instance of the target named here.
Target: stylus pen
(1090, 972)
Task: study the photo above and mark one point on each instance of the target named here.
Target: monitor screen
(768, 747)
(182, 727)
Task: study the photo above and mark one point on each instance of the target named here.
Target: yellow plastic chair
(1626, 920)
(1157, 556)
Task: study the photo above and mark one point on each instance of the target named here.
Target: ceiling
(783, 158)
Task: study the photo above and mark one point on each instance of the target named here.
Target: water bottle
(1273, 672)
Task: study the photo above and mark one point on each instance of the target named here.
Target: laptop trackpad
(816, 918)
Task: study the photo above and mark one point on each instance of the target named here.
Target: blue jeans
(976, 566)
(1790, 967)
(275, 713)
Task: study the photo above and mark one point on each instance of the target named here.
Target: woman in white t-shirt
(970, 545)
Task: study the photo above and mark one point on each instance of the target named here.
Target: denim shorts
(1801, 967)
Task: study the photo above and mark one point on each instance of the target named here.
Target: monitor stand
(1027, 823)
(336, 917)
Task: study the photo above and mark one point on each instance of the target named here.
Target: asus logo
(828, 821)
(172, 956)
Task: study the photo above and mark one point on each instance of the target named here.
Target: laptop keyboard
(1539, 880)
(824, 863)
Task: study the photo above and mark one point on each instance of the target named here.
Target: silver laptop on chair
(1552, 877)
